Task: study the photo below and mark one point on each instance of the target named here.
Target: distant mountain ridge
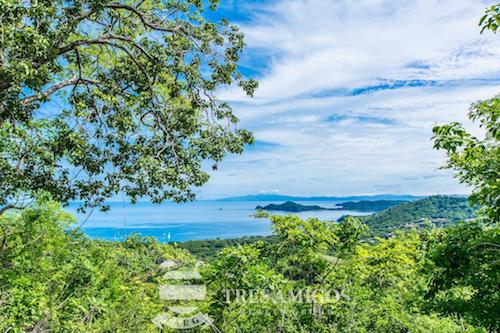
(280, 197)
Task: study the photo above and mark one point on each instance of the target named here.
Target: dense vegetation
(402, 284)
(438, 210)
(58, 281)
(209, 249)
(54, 281)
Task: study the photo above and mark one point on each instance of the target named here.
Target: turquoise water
(171, 222)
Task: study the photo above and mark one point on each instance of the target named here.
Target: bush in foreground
(54, 280)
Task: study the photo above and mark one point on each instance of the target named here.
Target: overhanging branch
(55, 88)
(8, 207)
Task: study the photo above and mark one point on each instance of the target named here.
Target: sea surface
(170, 222)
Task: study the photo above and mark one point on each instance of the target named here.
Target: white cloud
(320, 51)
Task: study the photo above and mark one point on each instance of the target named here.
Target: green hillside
(440, 210)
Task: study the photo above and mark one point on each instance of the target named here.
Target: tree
(320, 277)
(466, 268)
(114, 96)
(477, 160)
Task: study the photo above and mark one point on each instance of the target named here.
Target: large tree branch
(4, 85)
(8, 207)
(148, 24)
(56, 87)
(4, 237)
(50, 91)
(488, 244)
(104, 40)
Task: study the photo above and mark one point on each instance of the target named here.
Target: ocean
(171, 222)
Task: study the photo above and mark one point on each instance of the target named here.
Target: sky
(349, 93)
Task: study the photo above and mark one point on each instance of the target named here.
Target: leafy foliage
(466, 271)
(54, 279)
(106, 97)
(60, 281)
(491, 19)
(380, 287)
(476, 160)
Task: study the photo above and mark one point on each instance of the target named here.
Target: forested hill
(440, 210)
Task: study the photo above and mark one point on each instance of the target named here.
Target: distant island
(360, 206)
(290, 206)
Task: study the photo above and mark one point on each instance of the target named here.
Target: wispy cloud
(349, 92)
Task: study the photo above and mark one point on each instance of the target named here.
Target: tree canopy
(476, 160)
(115, 96)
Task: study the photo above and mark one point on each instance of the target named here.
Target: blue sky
(349, 92)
